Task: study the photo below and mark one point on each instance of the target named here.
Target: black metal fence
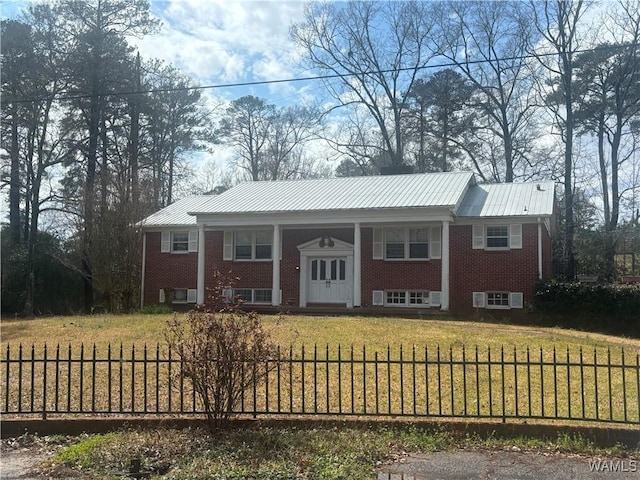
(600, 385)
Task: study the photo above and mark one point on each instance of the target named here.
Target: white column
(201, 255)
(539, 249)
(357, 266)
(144, 267)
(275, 254)
(444, 289)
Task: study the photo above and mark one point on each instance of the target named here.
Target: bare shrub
(223, 350)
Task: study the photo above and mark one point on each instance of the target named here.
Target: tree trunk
(14, 185)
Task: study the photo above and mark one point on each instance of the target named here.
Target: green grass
(280, 453)
(375, 333)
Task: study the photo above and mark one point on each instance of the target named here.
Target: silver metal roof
(176, 214)
(349, 193)
(508, 200)
(454, 190)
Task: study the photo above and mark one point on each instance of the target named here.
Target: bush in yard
(223, 351)
(608, 308)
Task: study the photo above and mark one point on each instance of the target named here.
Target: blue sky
(221, 42)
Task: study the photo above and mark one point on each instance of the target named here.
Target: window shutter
(478, 237)
(165, 244)
(378, 297)
(161, 299)
(515, 235)
(435, 243)
(515, 300)
(378, 244)
(435, 299)
(227, 250)
(478, 299)
(192, 295)
(193, 241)
(228, 295)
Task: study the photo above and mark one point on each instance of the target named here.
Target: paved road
(507, 465)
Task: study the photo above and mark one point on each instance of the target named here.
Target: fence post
(7, 378)
(44, 383)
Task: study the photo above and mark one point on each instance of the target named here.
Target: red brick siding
(483, 270)
(395, 275)
(470, 270)
(175, 270)
(250, 274)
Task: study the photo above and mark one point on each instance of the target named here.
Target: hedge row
(607, 308)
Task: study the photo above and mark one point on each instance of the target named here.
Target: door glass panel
(314, 270)
(342, 269)
(323, 269)
(334, 267)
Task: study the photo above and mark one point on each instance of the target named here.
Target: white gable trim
(312, 247)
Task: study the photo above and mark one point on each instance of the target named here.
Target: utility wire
(77, 96)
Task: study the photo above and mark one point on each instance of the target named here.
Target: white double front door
(328, 280)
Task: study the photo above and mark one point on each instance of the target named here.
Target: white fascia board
(165, 228)
(390, 216)
(495, 220)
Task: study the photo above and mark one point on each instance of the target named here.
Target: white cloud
(224, 42)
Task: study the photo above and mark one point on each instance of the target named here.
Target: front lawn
(520, 371)
(375, 332)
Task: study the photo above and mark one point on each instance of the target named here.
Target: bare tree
(488, 42)
(97, 30)
(268, 141)
(608, 88)
(373, 52)
(558, 21)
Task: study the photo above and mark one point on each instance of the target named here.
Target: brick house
(416, 241)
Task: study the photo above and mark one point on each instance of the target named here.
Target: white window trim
(515, 300)
(190, 297)
(253, 296)
(407, 244)
(253, 247)
(486, 237)
(167, 241)
(514, 237)
(407, 298)
(497, 307)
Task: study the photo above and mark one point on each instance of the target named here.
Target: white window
(497, 237)
(396, 297)
(179, 242)
(498, 300)
(253, 245)
(183, 295)
(253, 295)
(408, 298)
(418, 298)
(406, 243)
